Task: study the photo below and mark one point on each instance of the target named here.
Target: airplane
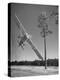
(26, 37)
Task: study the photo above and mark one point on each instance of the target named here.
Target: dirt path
(17, 71)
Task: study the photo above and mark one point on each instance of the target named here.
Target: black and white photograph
(32, 39)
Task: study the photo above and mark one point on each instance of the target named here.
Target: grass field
(20, 71)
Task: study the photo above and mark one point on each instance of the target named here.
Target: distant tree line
(50, 62)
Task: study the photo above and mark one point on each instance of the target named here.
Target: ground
(19, 71)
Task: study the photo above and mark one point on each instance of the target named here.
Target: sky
(28, 15)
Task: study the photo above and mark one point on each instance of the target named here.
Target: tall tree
(43, 25)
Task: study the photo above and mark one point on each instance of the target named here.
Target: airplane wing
(22, 29)
(34, 48)
(20, 26)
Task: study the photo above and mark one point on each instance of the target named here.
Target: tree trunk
(45, 52)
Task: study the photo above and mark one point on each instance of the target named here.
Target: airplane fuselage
(23, 39)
